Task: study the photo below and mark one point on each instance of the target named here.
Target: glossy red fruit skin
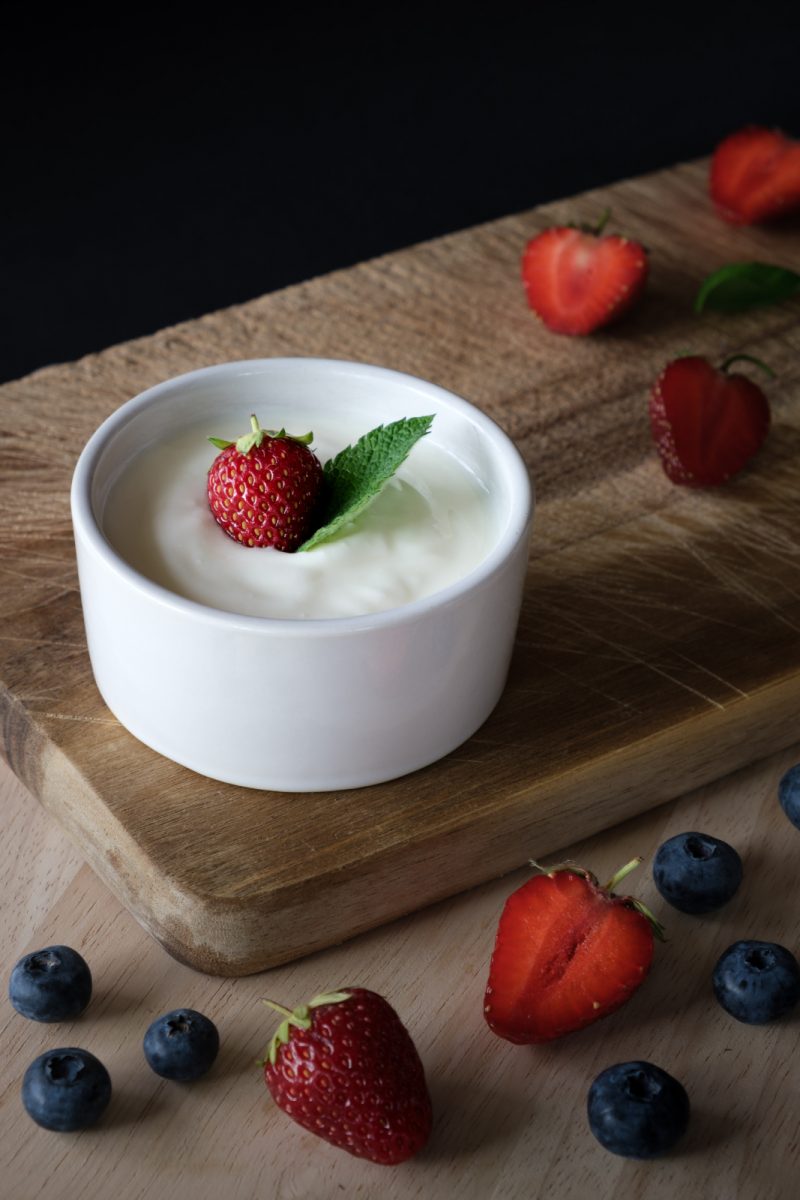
(566, 954)
(707, 424)
(578, 282)
(755, 175)
(355, 1079)
(266, 497)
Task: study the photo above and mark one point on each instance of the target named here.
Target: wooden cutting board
(659, 643)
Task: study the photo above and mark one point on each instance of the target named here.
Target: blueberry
(696, 873)
(789, 794)
(757, 981)
(181, 1045)
(66, 1089)
(637, 1110)
(53, 984)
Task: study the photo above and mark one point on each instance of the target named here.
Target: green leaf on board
(739, 286)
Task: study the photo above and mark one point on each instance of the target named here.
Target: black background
(153, 173)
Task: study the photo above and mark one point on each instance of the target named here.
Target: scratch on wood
(68, 717)
(733, 579)
(23, 641)
(631, 656)
(37, 579)
(588, 687)
(713, 674)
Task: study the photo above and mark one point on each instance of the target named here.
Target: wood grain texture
(509, 1121)
(659, 643)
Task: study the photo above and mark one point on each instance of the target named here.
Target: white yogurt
(431, 525)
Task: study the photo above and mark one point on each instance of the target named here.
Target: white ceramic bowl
(300, 705)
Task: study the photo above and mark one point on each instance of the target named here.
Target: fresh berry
(696, 872)
(706, 424)
(54, 984)
(567, 953)
(66, 1089)
(757, 982)
(637, 1110)
(577, 280)
(181, 1045)
(755, 175)
(789, 794)
(344, 1066)
(263, 489)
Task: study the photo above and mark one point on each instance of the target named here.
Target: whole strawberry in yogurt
(264, 487)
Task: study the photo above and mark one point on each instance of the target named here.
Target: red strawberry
(567, 953)
(263, 488)
(577, 281)
(344, 1066)
(755, 175)
(706, 424)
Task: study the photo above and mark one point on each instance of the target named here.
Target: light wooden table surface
(510, 1121)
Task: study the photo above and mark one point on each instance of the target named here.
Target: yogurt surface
(431, 525)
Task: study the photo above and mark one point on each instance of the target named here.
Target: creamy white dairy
(431, 525)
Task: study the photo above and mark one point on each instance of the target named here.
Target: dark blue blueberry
(53, 984)
(66, 1089)
(637, 1110)
(696, 873)
(757, 981)
(789, 794)
(181, 1045)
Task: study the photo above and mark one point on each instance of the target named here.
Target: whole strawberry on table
(344, 1067)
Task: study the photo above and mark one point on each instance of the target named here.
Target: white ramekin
(300, 705)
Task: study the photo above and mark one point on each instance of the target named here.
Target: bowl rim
(87, 527)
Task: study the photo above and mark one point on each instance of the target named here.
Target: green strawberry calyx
(658, 929)
(256, 436)
(297, 1018)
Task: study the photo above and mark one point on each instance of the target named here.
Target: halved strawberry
(706, 424)
(577, 280)
(755, 175)
(567, 953)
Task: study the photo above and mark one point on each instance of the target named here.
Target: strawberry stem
(255, 437)
(603, 220)
(748, 358)
(621, 874)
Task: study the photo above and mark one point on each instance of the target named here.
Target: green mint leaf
(355, 476)
(739, 286)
